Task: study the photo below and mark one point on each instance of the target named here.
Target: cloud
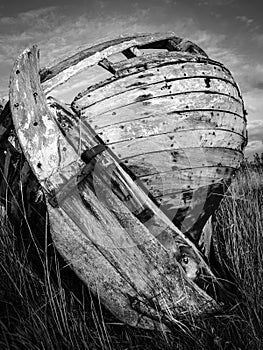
(255, 124)
(244, 19)
(7, 20)
(30, 16)
(254, 103)
(254, 147)
(258, 39)
(213, 3)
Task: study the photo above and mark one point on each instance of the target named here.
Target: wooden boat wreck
(133, 168)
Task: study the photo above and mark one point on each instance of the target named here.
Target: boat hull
(178, 124)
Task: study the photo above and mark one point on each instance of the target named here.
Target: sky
(230, 31)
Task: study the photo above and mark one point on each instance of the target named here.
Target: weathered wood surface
(174, 103)
(136, 200)
(155, 109)
(180, 159)
(171, 68)
(60, 72)
(183, 139)
(162, 87)
(162, 183)
(165, 123)
(118, 256)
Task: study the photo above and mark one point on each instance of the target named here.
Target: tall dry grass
(48, 308)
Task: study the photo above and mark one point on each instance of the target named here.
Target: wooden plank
(126, 241)
(119, 84)
(148, 164)
(154, 92)
(156, 59)
(42, 151)
(181, 140)
(151, 124)
(164, 88)
(171, 79)
(161, 124)
(167, 105)
(163, 183)
(60, 72)
(92, 268)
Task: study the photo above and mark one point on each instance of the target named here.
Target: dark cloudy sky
(230, 31)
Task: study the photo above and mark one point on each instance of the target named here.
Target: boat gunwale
(99, 51)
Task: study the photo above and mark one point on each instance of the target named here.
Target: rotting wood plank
(190, 158)
(178, 121)
(92, 267)
(183, 140)
(44, 146)
(166, 105)
(163, 183)
(161, 124)
(158, 88)
(60, 72)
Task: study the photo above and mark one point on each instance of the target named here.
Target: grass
(44, 306)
